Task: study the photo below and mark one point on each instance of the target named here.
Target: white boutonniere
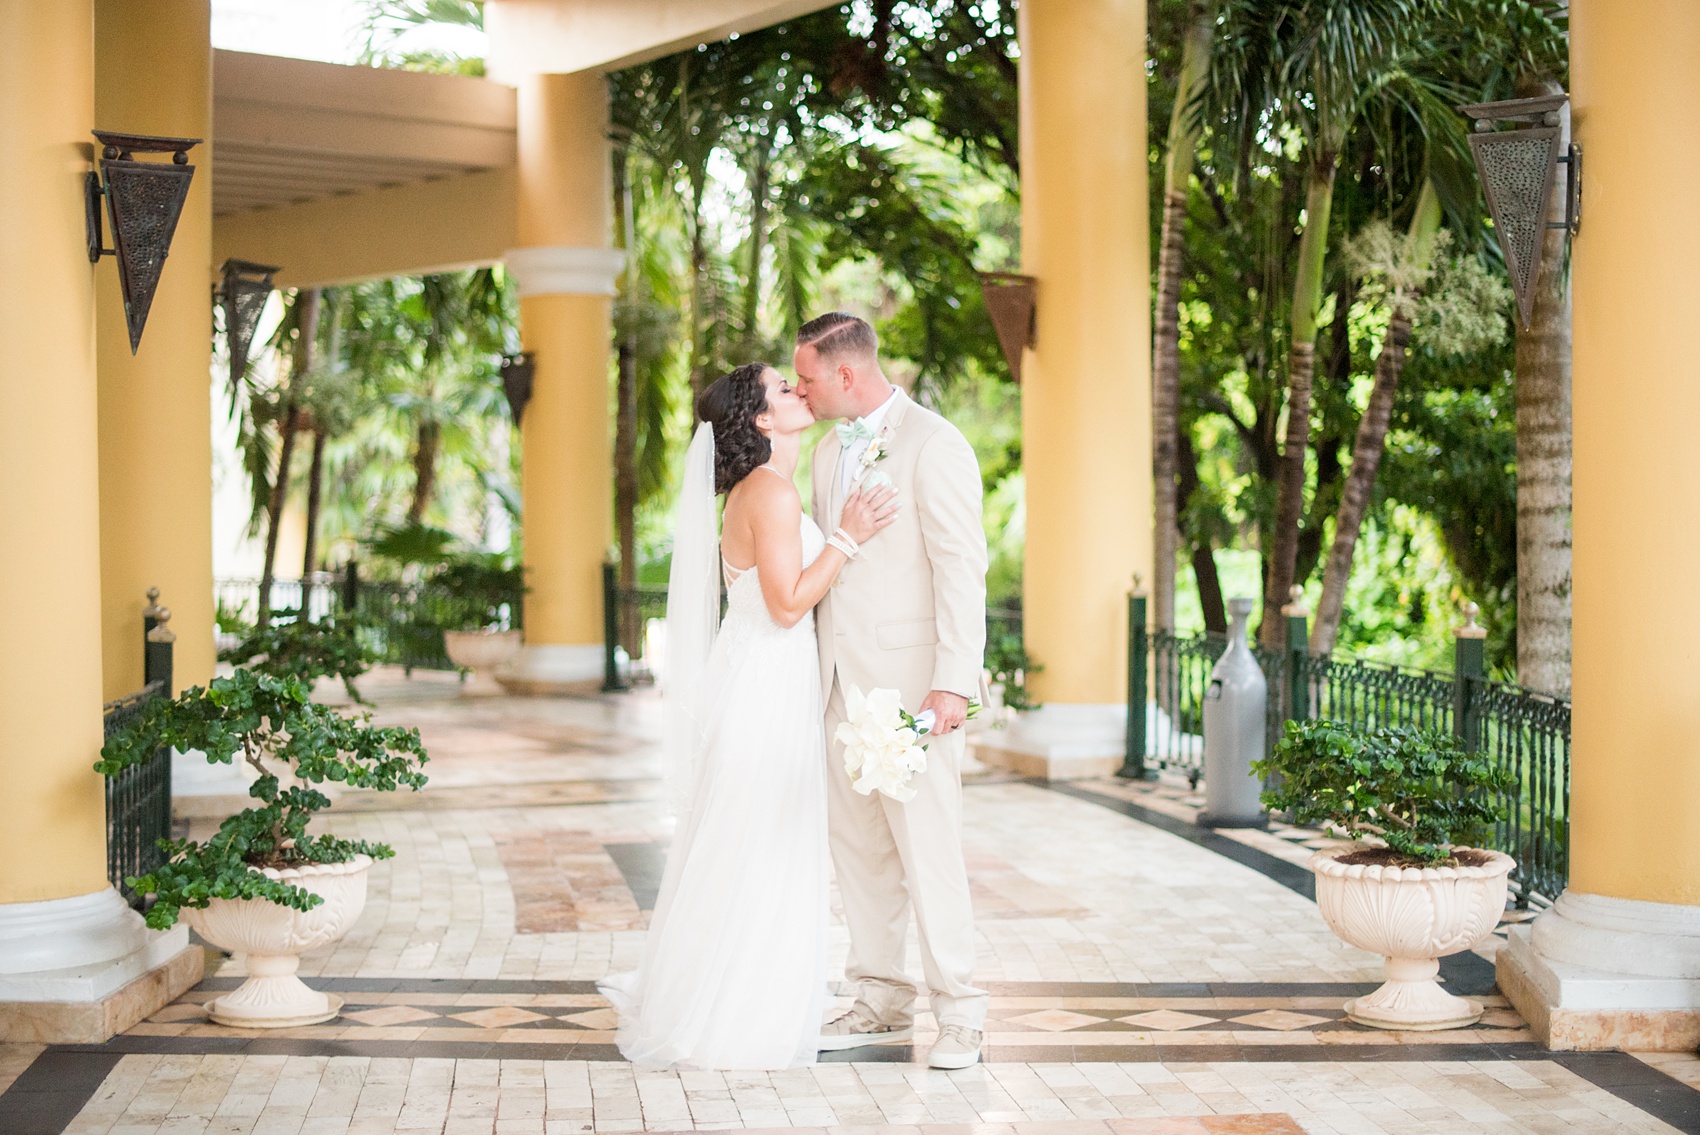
(866, 475)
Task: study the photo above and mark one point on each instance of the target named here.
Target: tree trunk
(1301, 366)
(424, 468)
(1203, 556)
(758, 233)
(1543, 462)
(1370, 442)
(1165, 343)
(625, 418)
(307, 331)
(315, 488)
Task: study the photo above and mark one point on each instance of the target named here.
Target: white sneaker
(958, 1046)
(853, 1030)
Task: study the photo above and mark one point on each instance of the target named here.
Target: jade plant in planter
(483, 595)
(1408, 887)
(329, 648)
(263, 885)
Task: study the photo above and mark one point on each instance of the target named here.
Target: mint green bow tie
(849, 433)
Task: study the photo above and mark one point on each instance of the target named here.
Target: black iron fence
(402, 623)
(138, 800)
(628, 631)
(1521, 730)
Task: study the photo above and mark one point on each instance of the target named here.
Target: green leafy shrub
(1415, 789)
(270, 723)
(479, 585)
(300, 649)
(1009, 663)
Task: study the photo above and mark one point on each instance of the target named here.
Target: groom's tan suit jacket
(909, 612)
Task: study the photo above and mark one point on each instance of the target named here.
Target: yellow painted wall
(1086, 383)
(567, 466)
(53, 840)
(407, 230)
(1635, 74)
(153, 75)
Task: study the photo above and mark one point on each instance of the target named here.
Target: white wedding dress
(734, 968)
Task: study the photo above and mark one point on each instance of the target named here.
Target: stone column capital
(564, 270)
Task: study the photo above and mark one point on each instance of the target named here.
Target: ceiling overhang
(290, 131)
(539, 37)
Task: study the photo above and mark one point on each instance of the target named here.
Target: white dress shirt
(848, 461)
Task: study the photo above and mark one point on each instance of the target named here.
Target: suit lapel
(833, 450)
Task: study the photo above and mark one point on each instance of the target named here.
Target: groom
(909, 611)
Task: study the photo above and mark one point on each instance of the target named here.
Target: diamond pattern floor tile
(1055, 1020)
(500, 1017)
(1280, 1019)
(391, 1015)
(1168, 1020)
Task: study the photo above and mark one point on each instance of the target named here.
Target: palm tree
(1543, 456)
(1404, 270)
(306, 329)
(1305, 66)
(1165, 344)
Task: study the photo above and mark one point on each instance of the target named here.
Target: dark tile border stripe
(418, 985)
(53, 1089)
(1464, 973)
(497, 986)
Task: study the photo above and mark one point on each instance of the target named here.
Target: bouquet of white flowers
(882, 742)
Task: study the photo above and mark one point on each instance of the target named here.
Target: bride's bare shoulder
(765, 496)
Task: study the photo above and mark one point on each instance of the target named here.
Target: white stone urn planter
(1412, 916)
(483, 653)
(272, 938)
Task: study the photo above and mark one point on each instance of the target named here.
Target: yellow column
(53, 838)
(1636, 289)
(1086, 383)
(153, 75)
(1616, 962)
(565, 273)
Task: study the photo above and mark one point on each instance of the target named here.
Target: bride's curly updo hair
(730, 405)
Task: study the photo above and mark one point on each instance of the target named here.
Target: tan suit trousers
(889, 855)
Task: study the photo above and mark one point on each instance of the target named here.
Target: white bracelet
(855, 545)
(844, 543)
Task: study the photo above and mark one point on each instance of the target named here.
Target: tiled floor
(1146, 979)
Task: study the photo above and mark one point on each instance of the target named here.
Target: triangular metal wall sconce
(242, 293)
(1010, 301)
(1517, 168)
(517, 373)
(143, 202)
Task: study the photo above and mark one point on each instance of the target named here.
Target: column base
(1058, 741)
(119, 971)
(1597, 973)
(554, 669)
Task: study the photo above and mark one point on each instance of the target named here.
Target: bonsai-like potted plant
(329, 648)
(483, 592)
(1408, 886)
(263, 886)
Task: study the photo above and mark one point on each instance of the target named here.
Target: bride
(734, 967)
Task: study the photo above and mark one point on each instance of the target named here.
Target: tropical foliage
(1334, 355)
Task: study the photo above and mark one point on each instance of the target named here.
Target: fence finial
(161, 617)
(1138, 583)
(161, 632)
(1471, 629)
(1294, 607)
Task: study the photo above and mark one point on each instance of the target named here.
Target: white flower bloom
(880, 752)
